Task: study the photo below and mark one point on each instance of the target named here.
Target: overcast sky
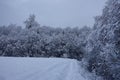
(56, 13)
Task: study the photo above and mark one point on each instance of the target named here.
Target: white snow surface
(40, 69)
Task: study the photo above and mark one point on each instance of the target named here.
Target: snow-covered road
(40, 69)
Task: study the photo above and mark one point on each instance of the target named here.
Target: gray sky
(56, 13)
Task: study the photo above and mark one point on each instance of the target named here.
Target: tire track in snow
(34, 75)
(41, 69)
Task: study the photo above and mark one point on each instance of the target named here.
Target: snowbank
(40, 69)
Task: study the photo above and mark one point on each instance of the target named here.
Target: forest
(98, 46)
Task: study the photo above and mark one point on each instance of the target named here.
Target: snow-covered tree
(31, 22)
(104, 43)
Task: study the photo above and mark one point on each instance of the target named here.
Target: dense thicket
(103, 47)
(42, 41)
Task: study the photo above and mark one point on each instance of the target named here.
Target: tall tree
(31, 22)
(104, 43)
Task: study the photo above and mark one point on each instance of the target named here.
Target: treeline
(42, 41)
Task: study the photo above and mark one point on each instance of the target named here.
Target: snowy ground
(40, 69)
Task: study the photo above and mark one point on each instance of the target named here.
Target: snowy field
(40, 69)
